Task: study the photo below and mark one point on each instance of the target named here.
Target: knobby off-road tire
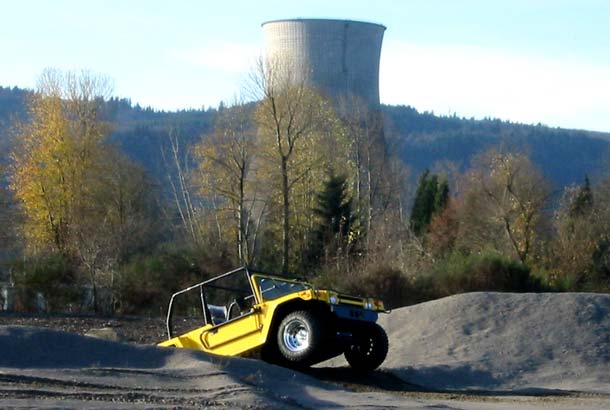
(369, 347)
(300, 338)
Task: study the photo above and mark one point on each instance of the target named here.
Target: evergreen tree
(583, 201)
(431, 198)
(336, 218)
(441, 196)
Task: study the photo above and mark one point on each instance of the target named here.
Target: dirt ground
(138, 330)
(557, 344)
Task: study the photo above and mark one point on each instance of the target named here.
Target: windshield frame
(277, 279)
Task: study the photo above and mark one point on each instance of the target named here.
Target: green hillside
(422, 139)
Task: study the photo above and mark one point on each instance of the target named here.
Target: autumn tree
(4, 211)
(575, 236)
(292, 119)
(368, 152)
(503, 204)
(579, 251)
(79, 197)
(226, 159)
(601, 255)
(178, 161)
(442, 231)
(58, 157)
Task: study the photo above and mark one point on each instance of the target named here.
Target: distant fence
(24, 300)
(20, 299)
(6, 298)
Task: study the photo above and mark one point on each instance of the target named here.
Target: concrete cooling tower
(338, 57)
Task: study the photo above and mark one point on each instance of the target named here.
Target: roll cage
(234, 294)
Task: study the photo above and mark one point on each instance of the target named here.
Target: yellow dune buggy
(279, 319)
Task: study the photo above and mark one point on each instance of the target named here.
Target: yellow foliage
(58, 159)
(504, 199)
(301, 140)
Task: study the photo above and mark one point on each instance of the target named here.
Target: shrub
(386, 283)
(389, 284)
(148, 281)
(488, 271)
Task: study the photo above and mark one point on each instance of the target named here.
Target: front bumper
(354, 313)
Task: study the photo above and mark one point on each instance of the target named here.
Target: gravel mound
(44, 368)
(503, 341)
(534, 343)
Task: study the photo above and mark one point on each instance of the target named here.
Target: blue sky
(530, 61)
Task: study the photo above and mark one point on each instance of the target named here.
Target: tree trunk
(241, 225)
(94, 293)
(286, 216)
(369, 199)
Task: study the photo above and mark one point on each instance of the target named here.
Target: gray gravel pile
(481, 341)
(502, 341)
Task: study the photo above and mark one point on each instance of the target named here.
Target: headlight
(333, 300)
(368, 305)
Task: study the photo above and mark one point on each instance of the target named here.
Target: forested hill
(12, 107)
(422, 139)
(564, 155)
(140, 132)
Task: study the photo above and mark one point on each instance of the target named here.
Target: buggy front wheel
(300, 338)
(368, 348)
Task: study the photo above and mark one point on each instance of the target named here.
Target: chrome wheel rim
(296, 336)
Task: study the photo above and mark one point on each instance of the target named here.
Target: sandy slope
(496, 341)
(483, 341)
(50, 369)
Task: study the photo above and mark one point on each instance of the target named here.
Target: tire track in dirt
(35, 388)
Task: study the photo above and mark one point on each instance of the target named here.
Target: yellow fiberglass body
(284, 320)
